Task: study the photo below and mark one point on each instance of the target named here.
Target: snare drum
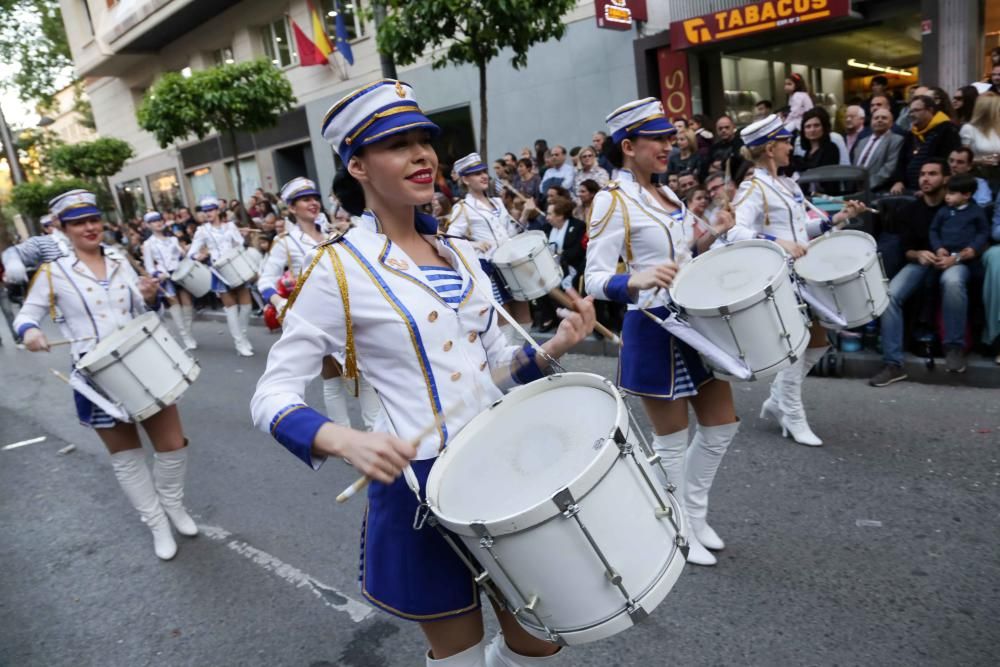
(193, 276)
(527, 266)
(256, 258)
(140, 367)
(843, 270)
(235, 267)
(741, 297)
(566, 516)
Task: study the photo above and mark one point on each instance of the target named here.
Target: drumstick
(60, 376)
(69, 341)
(559, 295)
(363, 481)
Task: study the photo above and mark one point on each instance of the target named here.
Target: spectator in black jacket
(819, 149)
(565, 234)
(932, 134)
(725, 148)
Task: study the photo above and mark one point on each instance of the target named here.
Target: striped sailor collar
(424, 222)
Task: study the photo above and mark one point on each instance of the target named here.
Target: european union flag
(342, 45)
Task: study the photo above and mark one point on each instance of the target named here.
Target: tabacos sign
(753, 18)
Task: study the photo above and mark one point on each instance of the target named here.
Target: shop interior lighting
(853, 62)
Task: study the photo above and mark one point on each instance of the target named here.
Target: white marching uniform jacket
(772, 208)
(364, 301)
(293, 251)
(69, 292)
(472, 220)
(217, 240)
(627, 222)
(161, 256)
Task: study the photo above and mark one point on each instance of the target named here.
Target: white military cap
(45, 220)
(208, 202)
(371, 114)
(152, 216)
(641, 118)
(470, 164)
(764, 131)
(75, 205)
(296, 188)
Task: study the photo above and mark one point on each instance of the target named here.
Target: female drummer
(211, 242)
(161, 254)
(96, 291)
(412, 311)
(643, 223)
(769, 206)
(293, 250)
(484, 220)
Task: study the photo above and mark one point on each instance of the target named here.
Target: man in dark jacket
(932, 135)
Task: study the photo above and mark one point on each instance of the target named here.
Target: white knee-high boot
(370, 403)
(178, 317)
(793, 419)
(335, 400)
(671, 449)
(244, 317)
(498, 654)
(137, 483)
(233, 322)
(169, 469)
(188, 331)
(474, 656)
(700, 465)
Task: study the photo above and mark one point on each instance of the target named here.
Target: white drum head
(835, 256)
(520, 247)
(521, 452)
(727, 275)
(122, 340)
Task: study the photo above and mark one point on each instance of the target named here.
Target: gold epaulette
(612, 185)
(334, 238)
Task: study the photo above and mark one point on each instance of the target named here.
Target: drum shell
(528, 275)
(859, 296)
(141, 367)
(541, 552)
(235, 267)
(759, 325)
(256, 258)
(194, 277)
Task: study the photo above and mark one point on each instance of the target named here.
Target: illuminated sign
(753, 18)
(619, 14)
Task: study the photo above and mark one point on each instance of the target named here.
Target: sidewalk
(981, 371)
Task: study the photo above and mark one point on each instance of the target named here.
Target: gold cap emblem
(399, 89)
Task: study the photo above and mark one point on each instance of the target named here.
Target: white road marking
(15, 445)
(328, 595)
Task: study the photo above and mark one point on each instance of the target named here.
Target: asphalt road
(880, 548)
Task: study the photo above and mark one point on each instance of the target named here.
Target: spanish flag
(317, 50)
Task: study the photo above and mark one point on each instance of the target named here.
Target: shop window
(132, 199)
(249, 173)
(165, 190)
(202, 184)
(278, 43)
(353, 23)
(223, 56)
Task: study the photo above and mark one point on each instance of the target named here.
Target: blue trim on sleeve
(267, 293)
(295, 427)
(617, 288)
(825, 226)
(525, 366)
(23, 329)
(767, 237)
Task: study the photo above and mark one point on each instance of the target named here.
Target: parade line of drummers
(430, 329)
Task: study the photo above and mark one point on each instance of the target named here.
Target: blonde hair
(986, 114)
(692, 139)
(753, 153)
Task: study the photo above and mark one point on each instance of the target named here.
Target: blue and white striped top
(446, 281)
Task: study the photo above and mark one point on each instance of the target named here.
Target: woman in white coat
(161, 255)
(91, 293)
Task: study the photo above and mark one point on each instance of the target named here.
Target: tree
(32, 198)
(241, 97)
(459, 32)
(96, 160)
(33, 36)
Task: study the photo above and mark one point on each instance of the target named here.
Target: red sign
(619, 14)
(675, 84)
(753, 18)
(926, 27)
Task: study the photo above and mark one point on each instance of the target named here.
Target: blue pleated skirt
(654, 363)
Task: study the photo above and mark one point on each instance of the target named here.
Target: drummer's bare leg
(335, 392)
(521, 312)
(717, 426)
(128, 460)
(187, 313)
(170, 466)
(513, 646)
(459, 638)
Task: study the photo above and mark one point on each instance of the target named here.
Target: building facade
(122, 46)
